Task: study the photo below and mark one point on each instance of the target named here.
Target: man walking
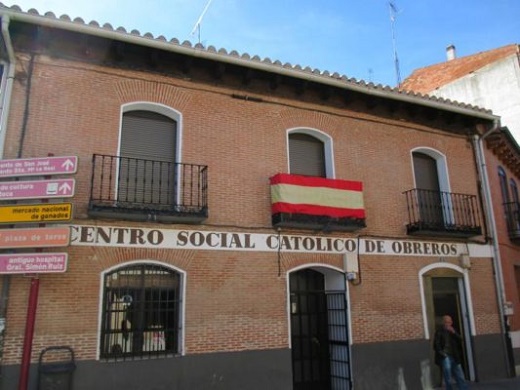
(447, 346)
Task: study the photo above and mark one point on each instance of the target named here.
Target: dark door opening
(429, 195)
(447, 301)
(319, 334)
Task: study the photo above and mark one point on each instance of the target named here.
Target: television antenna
(199, 20)
(393, 13)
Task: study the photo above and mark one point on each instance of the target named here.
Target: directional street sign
(24, 263)
(39, 166)
(36, 213)
(42, 237)
(37, 189)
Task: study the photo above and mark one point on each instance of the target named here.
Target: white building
(489, 79)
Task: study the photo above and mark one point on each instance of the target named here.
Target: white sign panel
(113, 236)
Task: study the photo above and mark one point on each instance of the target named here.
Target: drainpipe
(4, 113)
(478, 142)
(6, 93)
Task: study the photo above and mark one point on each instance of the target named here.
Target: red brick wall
(509, 252)
(234, 300)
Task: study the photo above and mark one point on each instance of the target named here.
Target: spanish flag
(309, 195)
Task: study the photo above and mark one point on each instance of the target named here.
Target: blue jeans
(449, 367)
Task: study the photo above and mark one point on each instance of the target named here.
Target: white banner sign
(87, 235)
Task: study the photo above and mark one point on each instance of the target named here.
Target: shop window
(141, 312)
(310, 153)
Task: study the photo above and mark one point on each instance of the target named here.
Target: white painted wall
(495, 87)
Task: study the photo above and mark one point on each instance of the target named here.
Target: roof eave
(267, 66)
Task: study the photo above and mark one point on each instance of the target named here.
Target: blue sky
(350, 37)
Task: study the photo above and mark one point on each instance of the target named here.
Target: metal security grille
(340, 376)
(141, 312)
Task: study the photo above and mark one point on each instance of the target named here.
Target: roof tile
(429, 78)
(256, 59)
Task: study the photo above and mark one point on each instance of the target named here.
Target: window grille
(141, 312)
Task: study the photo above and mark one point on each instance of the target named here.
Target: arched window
(432, 163)
(147, 152)
(148, 135)
(513, 210)
(428, 188)
(310, 153)
(502, 177)
(514, 191)
(141, 312)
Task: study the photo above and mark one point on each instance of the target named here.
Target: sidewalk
(499, 384)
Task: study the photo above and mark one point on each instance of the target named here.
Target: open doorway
(445, 295)
(319, 330)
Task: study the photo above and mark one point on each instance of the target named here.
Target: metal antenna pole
(196, 27)
(393, 12)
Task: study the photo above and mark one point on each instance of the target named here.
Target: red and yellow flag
(311, 195)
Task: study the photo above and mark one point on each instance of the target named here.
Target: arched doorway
(445, 293)
(319, 330)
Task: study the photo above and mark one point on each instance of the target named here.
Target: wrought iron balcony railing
(438, 213)
(512, 210)
(140, 189)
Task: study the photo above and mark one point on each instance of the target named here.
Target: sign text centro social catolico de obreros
(112, 236)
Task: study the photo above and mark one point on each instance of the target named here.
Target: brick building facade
(242, 224)
(503, 166)
(490, 79)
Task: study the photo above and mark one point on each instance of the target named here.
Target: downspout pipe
(478, 141)
(4, 114)
(8, 85)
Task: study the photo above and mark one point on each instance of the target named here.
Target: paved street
(502, 384)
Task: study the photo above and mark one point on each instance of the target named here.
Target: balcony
(316, 203)
(442, 214)
(512, 210)
(148, 190)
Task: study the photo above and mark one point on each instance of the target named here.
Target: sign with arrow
(39, 166)
(37, 189)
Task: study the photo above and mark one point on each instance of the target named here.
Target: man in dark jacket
(447, 345)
